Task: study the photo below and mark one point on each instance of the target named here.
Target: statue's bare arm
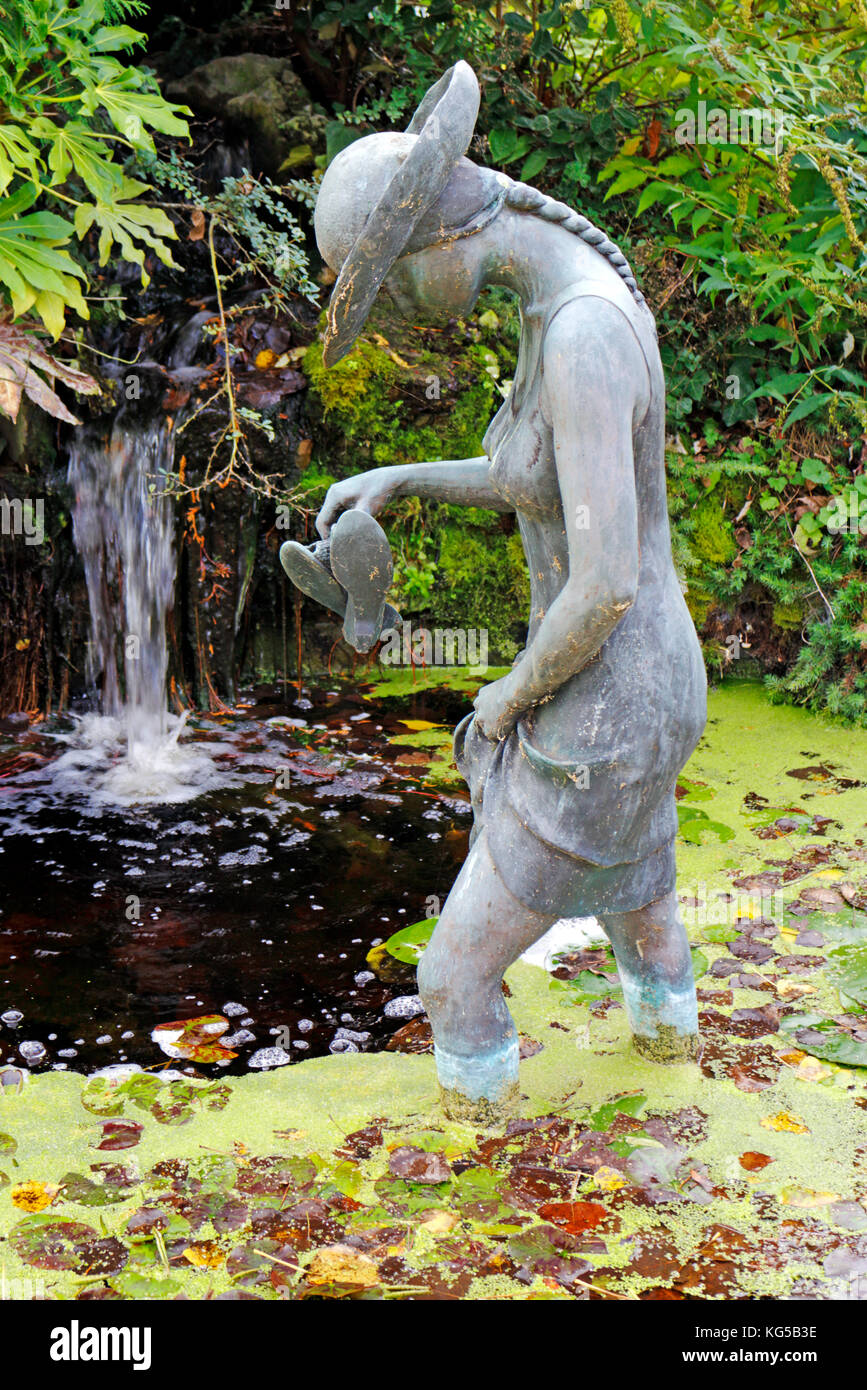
(463, 482)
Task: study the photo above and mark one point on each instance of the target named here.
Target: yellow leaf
(264, 359)
(418, 725)
(794, 989)
(631, 145)
(785, 1123)
(33, 1196)
(795, 1196)
(206, 1255)
(342, 1264)
(608, 1179)
(440, 1223)
(811, 1069)
(793, 1058)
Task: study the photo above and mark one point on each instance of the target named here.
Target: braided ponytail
(523, 198)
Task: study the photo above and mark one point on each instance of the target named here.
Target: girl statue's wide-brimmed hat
(378, 194)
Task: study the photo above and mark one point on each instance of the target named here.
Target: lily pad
(848, 971)
(49, 1242)
(407, 944)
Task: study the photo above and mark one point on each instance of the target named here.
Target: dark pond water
(266, 891)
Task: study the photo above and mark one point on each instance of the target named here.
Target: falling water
(123, 532)
(123, 527)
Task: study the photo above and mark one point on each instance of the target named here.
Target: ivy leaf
(534, 164)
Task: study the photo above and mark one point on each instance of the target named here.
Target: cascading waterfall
(123, 528)
(123, 532)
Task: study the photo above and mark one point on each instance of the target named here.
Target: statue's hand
(369, 492)
(496, 711)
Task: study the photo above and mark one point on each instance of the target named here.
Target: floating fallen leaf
(795, 1196)
(194, 1039)
(608, 1179)
(33, 1196)
(440, 1223)
(206, 1255)
(792, 1058)
(419, 1165)
(748, 1081)
(793, 989)
(419, 725)
(784, 1123)
(120, 1134)
(574, 1217)
(342, 1264)
(754, 1162)
(811, 1069)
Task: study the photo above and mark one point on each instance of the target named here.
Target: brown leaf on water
(826, 897)
(799, 965)
(120, 1134)
(194, 1039)
(753, 1161)
(418, 1165)
(749, 949)
(755, 1023)
(415, 1037)
(748, 1081)
(576, 1217)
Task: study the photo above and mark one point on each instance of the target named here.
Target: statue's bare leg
(655, 967)
(481, 931)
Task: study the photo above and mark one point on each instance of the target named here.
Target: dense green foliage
(71, 113)
(725, 146)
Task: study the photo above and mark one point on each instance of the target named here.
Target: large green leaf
(74, 149)
(132, 112)
(407, 945)
(134, 226)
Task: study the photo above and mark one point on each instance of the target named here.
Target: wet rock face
(262, 98)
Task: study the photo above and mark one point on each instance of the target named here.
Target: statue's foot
(362, 565)
(668, 1045)
(481, 1113)
(480, 1089)
(309, 568)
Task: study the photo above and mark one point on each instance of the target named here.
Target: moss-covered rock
(260, 96)
(711, 535)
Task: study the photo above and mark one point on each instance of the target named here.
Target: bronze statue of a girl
(572, 758)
